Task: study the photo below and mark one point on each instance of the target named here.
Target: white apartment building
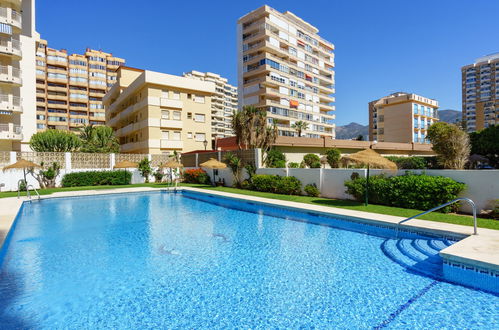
(17, 74)
(223, 103)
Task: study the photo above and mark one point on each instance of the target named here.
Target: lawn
(344, 204)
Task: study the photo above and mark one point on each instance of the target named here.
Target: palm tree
(236, 165)
(300, 126)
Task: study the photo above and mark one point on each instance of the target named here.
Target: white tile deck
(481, 250)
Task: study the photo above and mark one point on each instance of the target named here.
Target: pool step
(417, 255)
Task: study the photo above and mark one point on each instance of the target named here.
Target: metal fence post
(197, 160)
(219, 156)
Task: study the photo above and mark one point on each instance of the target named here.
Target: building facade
(17, 71)
(401, 117)
(480, 93)
(158, 113)
(285, 67)
(223, 103)
(69, 88)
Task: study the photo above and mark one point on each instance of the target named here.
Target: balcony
(169, 144)
(10, 46)
(11, 17)
(11, 132)
(10, 102)
(10, 75)
(171, 103)
(171, 123)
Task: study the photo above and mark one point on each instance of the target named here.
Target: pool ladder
(28, 194)
(444, 205)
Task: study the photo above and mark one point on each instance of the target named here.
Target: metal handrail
(29, 194)
(444, 205)
(19, 188)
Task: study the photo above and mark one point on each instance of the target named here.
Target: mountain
(351, 131)
(449, 116)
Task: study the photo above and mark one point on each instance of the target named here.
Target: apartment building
(401, 117)
(158, 113)
(285, 67)
(69, 88)
(17, 71)
(223, 103)
(480, 93)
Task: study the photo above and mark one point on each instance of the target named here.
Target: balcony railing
(10, 132)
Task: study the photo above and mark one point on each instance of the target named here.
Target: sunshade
(126, 164)
(21, 164)
(371, 158)
(214, 164)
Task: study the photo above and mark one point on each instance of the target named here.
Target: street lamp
(205, 144)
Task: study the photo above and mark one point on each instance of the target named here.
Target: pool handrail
(444, 205)
(29, 194)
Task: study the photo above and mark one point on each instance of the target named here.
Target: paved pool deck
(480, 250)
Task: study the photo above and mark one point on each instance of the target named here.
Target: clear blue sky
(382, 46)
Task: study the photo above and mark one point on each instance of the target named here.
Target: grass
(344, 204)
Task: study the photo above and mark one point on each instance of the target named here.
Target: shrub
(96, 178)
(196, 175)
(409, 163)
(53, 140)
(145, 168)
(311, 190)
(275, 159)
(411, 191)
(333, 157)
(312, 161)
(288, 185)
(158, 175)
(293, 165)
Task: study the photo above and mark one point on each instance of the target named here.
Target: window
(176, 115)
(165, 135)
(176, 136)
(165, 114)
(189, 96)
(189, 115)
(200, 137)
(176, 95)
(200, 118)
(164, 93)
(189, 135)
(198, 99)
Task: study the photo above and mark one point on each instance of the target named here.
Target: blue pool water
(164, 260)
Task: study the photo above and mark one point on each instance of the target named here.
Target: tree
(145, 168)
(236, 165)
(300, 126)
(275, 159)
(451, 144)
(98, 139)
(359, 137)
(486, 143)
(333, 157)
(312, 161)
(252, 130)
(54, 140)
(46, 178)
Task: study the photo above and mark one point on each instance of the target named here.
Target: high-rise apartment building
(69, 88)
(480, 92)
(285, 67)
(17, 72)
(223, 103)
(158, 113)
(401, 117)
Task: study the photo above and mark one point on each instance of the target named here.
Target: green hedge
(288, 185)
(421, 192)
(96, 178)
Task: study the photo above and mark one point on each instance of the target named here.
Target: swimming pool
(190, 260)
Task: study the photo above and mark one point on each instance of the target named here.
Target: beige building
(401, 117)
(17, 71)
(158, 113)
(480, 93)
(69, 88)
(223, 103)
(285, 67)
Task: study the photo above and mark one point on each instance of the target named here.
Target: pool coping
(479, 251)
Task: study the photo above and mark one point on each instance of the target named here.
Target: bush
(409, 163)
(288, 185)
(411, 191)
(196, 175)
(293, 165)
(312, 161)
(311, 190)
(96, 178)
(275, 159)
(333, 157)
(158, 176)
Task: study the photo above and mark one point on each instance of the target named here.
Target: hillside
(351, 131)
(449, 116)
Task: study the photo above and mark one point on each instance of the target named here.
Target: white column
(112, 160)
(197, 161)
(320, 180)
(258, 158)
(219, 156)
(67, 158)
(13, 157)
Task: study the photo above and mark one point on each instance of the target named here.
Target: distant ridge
(352, 131)
(450, 116)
